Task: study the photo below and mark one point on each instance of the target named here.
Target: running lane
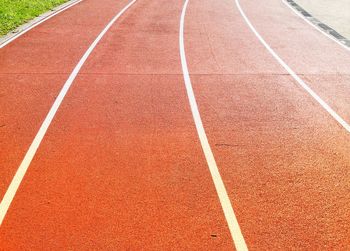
(33, 69)
(284, 160)
(121, 165)
(317, 59)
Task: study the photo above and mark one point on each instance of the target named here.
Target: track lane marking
(313, 94)
(226, 205)
(12, 38)
(21, 171)
(316, 27)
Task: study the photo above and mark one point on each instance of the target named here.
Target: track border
(318, 25)
(24, 28)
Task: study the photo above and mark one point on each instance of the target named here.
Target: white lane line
(325, 106)
(17, 179)
(314, 26)
(37, 23)
(231, 219)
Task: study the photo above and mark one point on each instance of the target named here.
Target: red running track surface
(121, 166)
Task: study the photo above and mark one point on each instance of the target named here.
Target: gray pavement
(334, 13)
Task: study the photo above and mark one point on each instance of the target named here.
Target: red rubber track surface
(284, 160)
(121, 166)
(34, 68)
(322, 63)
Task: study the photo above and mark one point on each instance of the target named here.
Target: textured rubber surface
(121, 166)
(282, 157)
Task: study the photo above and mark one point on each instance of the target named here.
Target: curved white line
(314, 26)
(215, 174)
(17, 179)
(325, 106)
(9, 40)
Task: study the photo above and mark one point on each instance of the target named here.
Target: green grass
(13, 13)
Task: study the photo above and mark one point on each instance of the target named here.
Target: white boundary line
(17, 179)
(325, 106)
(315, 27)
(231, 219)
(11, 38)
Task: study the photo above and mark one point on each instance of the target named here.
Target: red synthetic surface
(284, 160)
(34, 68)
(121, 166)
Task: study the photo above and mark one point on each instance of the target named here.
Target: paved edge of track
(313, 94)
(218, 182)
(21, 171)
(318, 25)
(35, 22)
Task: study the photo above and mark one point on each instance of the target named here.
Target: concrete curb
(318, 24)
(4, 40)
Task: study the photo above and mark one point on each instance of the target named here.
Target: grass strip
(13, 13)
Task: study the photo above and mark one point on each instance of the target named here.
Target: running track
(124, 163)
